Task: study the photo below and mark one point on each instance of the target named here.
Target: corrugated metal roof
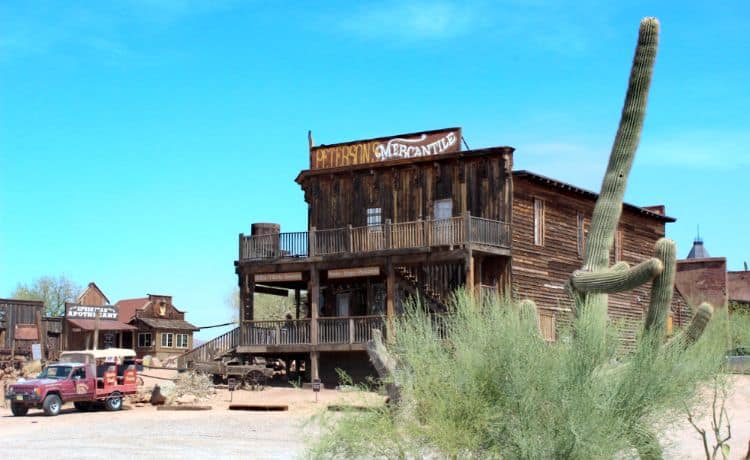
(104, 325)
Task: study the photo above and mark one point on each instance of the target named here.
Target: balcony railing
(453, 231)
(331, 330)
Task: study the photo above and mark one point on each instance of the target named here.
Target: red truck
(88, 378)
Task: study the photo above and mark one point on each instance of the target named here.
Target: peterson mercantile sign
(428, 143)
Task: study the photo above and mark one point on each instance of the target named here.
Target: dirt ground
(144, 432)
(138, 432)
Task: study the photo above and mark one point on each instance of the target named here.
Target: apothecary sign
(108, 312)
(415, 145)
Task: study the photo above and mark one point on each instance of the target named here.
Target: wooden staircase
(211, 350)
(433, 283)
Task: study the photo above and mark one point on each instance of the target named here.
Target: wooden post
(349, 245)
(351, 330)
(42, 335)
(390, 296)
(96, 330)
(314, 294)
(388, 236)
(249, 313)
(311, 245)
(467, 227)
(314, 371)
(469, 263)
(296, 302)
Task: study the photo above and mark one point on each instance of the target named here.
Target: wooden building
(550, 224)
(415, 215)
(160, 328)
(92, 317)
(22, 324)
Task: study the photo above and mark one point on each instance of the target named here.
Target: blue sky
(139, 138)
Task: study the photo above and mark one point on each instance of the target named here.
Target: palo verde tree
(494, 388)
(53, 291)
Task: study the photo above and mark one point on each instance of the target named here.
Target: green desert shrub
(482, 383)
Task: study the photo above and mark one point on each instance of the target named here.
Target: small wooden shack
(20, 321)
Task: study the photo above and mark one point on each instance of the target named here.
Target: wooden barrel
(262, 228)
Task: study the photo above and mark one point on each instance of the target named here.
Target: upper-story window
(374, 217)
(443, 209)
(538, 222)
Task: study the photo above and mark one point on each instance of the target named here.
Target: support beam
(469, 265)
(314, 365)
(390, 287)
(297, 298)
(314, 297)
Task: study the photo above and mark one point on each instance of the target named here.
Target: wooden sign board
(316, 385)
(269, 277)
(415, 145)
(89, 311)
(353, 272)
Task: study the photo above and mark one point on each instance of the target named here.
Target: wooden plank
(354, 272)
(271, 290)
(272, 277)
(258, 407)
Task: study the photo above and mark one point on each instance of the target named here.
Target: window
(182, 340)
(167, 339)
(79, 373)
(374, 217)
(581, 236)
(538, 222)
(547, 326)
(443, 209)
(144, 339)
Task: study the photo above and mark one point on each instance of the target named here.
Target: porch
(305, 335)
(451, 232)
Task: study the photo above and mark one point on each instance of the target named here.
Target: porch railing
(331, 330)
(211, 349)
(453, 231)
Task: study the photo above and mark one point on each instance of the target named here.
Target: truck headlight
(10, 391)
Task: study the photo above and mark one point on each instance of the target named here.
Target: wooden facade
(550, 224)
(382, 229)
(22, 323)
(161, 329)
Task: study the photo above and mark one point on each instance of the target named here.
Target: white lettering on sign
(89, 312)
(406, 148)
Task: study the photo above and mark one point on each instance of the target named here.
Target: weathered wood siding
(17, 312)
(407, 191)
(540, 272)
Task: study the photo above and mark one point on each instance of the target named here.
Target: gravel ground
(140, 432)
(144, 432)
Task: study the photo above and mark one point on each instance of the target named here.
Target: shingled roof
(177, 324)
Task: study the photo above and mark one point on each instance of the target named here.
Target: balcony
(455, 231)
(350, 330)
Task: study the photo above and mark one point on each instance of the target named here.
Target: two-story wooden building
(415, 215)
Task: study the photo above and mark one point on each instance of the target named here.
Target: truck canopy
(90, 356)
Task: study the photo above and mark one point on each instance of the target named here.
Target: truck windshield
(55, 372)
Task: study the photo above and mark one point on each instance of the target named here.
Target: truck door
(83, 384)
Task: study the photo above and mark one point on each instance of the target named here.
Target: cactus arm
(609, 205)
(618, 278)
(662, 288)
(696, 327)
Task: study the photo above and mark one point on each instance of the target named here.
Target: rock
(157, 399)
(32, 368)
(186, 399)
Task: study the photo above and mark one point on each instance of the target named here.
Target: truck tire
(19, 410)
(113, 402)
(52, 405)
